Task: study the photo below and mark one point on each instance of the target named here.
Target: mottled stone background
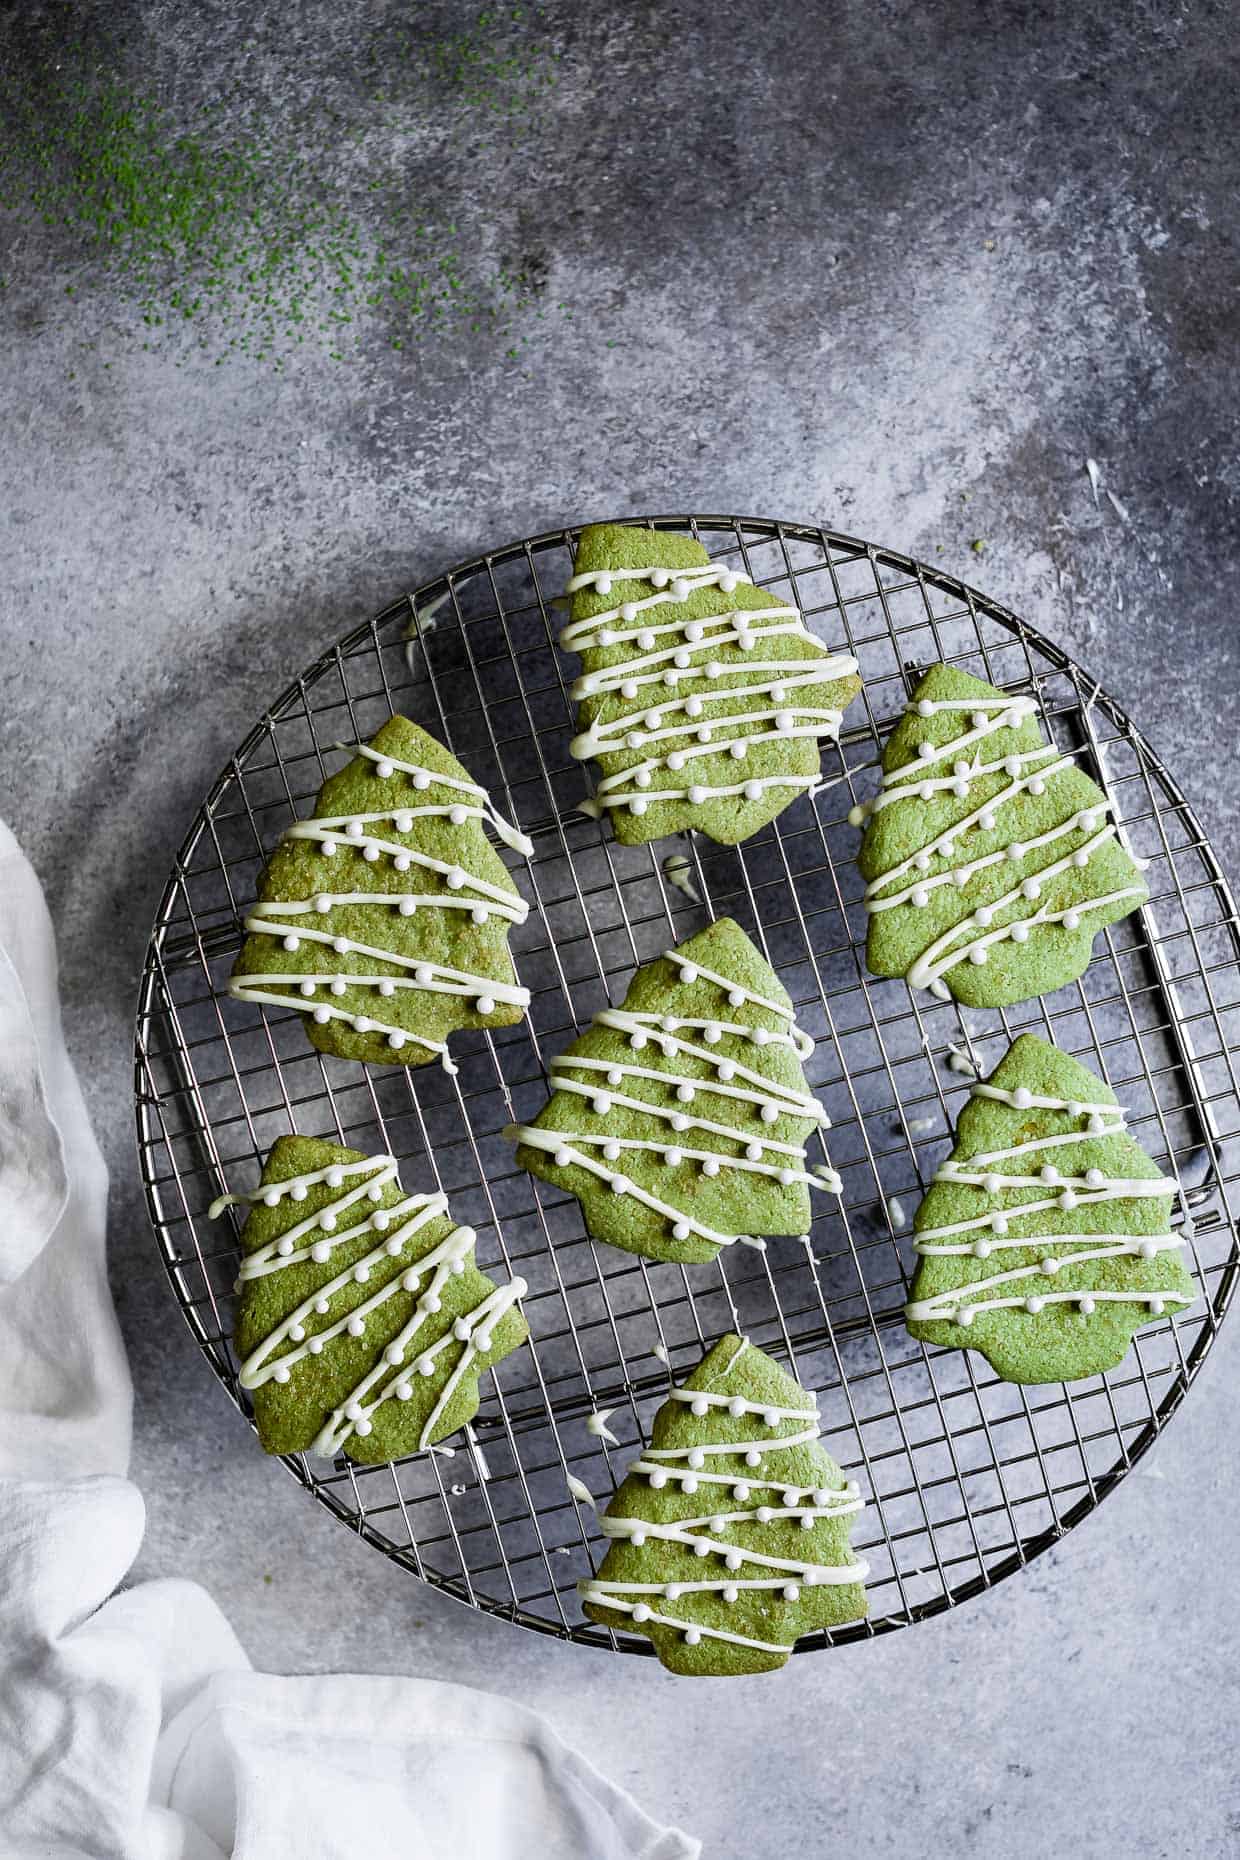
(897, 268)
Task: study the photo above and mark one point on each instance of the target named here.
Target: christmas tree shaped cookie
(729, 1536)
(1044, 1240)
(384, 918)
(704, 699)
(679, 1120)
(363, 1323)
(992, 860)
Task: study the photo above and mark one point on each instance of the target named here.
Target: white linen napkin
(131, 1725)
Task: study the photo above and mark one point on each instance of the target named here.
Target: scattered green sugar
(238, 229)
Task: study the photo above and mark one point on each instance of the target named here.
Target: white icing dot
(984, 914)
(784, 721)
(403, 1391)
(628, 612)
(658, 1478)
(1072, 920)
(689, 1484)
(1015, 852)
(403, 823)
(1096, 1125)
(370, 853)
(1068, 1200)
(754, 1152)
(641, 1611)
(292, 942)
(738, 751)
(628, 688)
(1049, 1173)
(730, 1592)
(321, 1306)
(1050, 1265)
(733, 1559)
(620, 1185)
(1080, 858)
(981, 1249)
(710, 1165)
(638, 805)
(1034, 1305)
(320, 1251)
(315, 1346)
(680, 589)
(679, 1121)
(685, 1093)
(991, 1184)
(361, 1272)
(769, 1113)
(926, 751)
(697, 794)
(753, 1457)
(753, 790)
(356, 1326)
(682, 659)
(601, 1104)
(328, 846)
(1147, 1249)
(925, 790)
(986, 820)
(602, 582)
(1037, 785)
(925, 708)
(1022, 1098)
(387, 987)
(692, 1636)
(355, 829)
(1031, 888)
(965, 1315)
(979, 954)
(425, 1366)
(699, 1405)
(726, 1070)
(998, 1223)
(361, 1023)
(606, 637)
(676, 760)
(674, 1157)
(680, 1230)
(787, 1177)
(1086, 822)
(1020, 933)
(1086, 1305)
(562, 1158)
(280, 1374)
(1157, 1306)
(764, 1514)
(645, 639)
(696, 1458)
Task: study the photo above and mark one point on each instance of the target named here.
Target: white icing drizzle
(960, 1304)
(733, 1080)
(465, 892)
(395, 1228)
(510, 834)
(1029, 771)
(707, 1534)
(696, 716)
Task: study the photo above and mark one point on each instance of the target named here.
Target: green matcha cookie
(679, 1120)
(384, 918)
(993, 861)
(729, 1536)
(704, 699)
(363, 1323)
(1044, 1240)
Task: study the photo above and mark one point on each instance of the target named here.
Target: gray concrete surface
(900, 268)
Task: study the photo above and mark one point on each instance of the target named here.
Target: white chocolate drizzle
(1007, 917)
(715, 1535)
(732, 1081)
(705, 723)
(396, 1230)
(991, 1231)
(464, 891)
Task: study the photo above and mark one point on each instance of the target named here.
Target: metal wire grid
(966, 1477)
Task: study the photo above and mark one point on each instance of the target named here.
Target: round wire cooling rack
(966, 1478)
